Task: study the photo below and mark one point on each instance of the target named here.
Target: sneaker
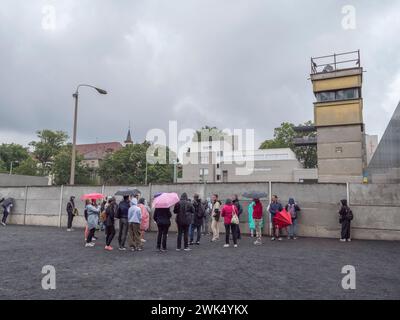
(69, 230)
(257, 243)
(139, 249)
(342, 240)
(108, 248)
(190, 243)
(187, 249)
(273, 239)
(197, 243)
(143, 240)
(94, 239)
(122, 249)
(280, 239)
(133, 249)
(178, 250)
(226, 245)
(164, 250)
(3, 224)
(348, 240)
(89, 245)
(235, 246)
(294, 238)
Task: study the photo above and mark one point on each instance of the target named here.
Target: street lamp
(76, 95)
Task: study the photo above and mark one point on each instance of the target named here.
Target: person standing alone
(346, 216)
(71, 212)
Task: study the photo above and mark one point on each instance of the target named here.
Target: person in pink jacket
(227, 212)
(144, 225)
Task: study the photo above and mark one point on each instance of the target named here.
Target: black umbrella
(7, 202)
(255, 195)
(128, 192)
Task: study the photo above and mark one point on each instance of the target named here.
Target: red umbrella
(282, 219)
(93, 196)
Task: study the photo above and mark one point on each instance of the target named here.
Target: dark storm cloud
(241, 64)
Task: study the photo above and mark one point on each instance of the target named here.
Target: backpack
(349, 215)
(201, 210)
(292, 211)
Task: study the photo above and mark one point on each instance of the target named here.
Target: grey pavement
(303, 269)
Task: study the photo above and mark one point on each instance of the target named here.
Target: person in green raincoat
(252, 225)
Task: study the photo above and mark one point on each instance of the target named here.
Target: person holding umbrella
(162, 203)
(7, 205)
(184, 211)
(92, 221)
(274, 208)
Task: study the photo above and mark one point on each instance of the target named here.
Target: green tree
(284, 138)
(206, 132)
(28, 167)
(62, 168)
(128, 166)
(12, 153)
(3, 168)
(49, 144)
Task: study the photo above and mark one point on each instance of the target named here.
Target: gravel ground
(303, 269)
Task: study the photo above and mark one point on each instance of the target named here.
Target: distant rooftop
(97, 150)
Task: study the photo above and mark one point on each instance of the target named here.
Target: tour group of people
(194, 218)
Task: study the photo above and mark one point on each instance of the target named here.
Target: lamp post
(76, 96)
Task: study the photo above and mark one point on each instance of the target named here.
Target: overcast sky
(225, 63)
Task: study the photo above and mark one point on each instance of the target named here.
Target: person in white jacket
(135, 219)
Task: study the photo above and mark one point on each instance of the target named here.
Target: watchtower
(338, 117)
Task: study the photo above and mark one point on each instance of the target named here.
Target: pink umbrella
(166, 200)
(93, 196)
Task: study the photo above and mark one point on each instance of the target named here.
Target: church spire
(129, 140)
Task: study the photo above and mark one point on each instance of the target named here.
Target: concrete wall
(376, 207)
(7, 180)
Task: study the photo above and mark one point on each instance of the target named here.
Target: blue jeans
(292, 230)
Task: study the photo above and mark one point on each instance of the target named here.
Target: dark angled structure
(385, 164)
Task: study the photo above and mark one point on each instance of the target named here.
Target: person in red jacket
(228, 210)
(258, 219)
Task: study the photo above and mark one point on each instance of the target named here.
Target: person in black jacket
(184, 211)
(239, 208)
(122, 215)
(70, 212)
(162, 216)
(111, 211)
(346, 216)
(198, 216)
